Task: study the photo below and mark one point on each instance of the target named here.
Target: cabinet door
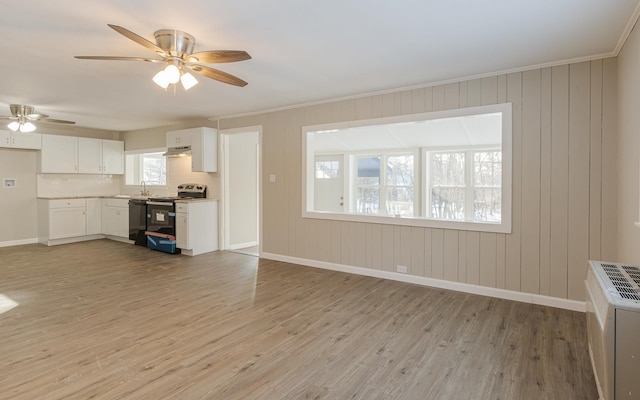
(179, 138)
(94, 216)
(89, 156)
(122, 226)
(5, 139)
(182, 231)
(112, 157)
(29, 140)
(115, 221)
(59, 154)
(66, 222)
(204, 150)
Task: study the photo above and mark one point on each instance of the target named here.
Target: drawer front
(66, 203)
(116, 203)
(182, 207)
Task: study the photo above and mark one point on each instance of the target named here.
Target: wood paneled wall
(564, 191)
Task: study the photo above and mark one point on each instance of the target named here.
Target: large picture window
(449, 169)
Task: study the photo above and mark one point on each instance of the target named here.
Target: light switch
(272, 178)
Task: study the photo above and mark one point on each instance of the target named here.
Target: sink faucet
(143, 192)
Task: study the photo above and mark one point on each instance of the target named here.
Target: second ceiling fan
(176, 50)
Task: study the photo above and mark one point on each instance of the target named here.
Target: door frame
(224, 183)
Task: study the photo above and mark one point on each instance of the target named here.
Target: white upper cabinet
(204, 147)
(113, 157)
(97, 156)
(89, 156)
(70, 154)
(19, 140)
(59, 154)
(179, 138)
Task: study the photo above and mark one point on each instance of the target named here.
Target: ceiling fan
(176, 51)
(23, 118)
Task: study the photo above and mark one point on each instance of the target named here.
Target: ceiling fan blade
(8, 118)
(217, 75)
(37, 116)
(138, 39)
(55, 121)
(115, 58)
(218, 56)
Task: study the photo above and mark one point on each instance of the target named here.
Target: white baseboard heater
(613, 323)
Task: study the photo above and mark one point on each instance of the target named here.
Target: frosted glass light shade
(14, 126)
(172, 73)
(161, 80)
(188, 81)
(27, 127)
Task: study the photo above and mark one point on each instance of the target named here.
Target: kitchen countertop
(119, 196)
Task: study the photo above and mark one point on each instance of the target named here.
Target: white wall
(564, 186)
(19, 206)
(629, 150)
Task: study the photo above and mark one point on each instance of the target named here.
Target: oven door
(161, 217)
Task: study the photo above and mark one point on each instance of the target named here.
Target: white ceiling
(303, 50)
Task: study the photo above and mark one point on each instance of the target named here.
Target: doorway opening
(241, 188)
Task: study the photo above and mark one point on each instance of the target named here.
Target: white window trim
(504, 226)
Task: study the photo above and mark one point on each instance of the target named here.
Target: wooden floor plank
(109, 320)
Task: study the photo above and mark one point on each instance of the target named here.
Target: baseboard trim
(242, 245)
(531, 298)
(18, 242)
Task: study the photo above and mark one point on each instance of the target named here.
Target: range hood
(180, 151)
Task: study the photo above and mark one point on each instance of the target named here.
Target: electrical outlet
(401, 268)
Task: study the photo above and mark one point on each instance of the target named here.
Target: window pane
(447, 169)
(400, 201)
(487, 205)
(148, 167)
(487, 168)
(327, 169)
(447, 203)
(400, 170)
(368, 171)
(154, 169)
(368, 200)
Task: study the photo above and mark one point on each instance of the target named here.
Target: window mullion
(468, 181)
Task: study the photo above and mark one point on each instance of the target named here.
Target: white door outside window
(329, 183)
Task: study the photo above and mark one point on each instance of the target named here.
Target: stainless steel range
(161, 217)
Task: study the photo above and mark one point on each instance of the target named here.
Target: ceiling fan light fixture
(172, 73)
(188, 81)
(161, 80)
(14, 126)
(27, 127)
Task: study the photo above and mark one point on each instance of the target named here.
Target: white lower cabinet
(94, 216)
(197, 227)
(115, 217)
(61, 219)
(73, 220)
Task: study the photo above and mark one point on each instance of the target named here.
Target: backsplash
(54, 185)
(179, 171)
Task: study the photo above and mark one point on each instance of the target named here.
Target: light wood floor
(108, 320)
